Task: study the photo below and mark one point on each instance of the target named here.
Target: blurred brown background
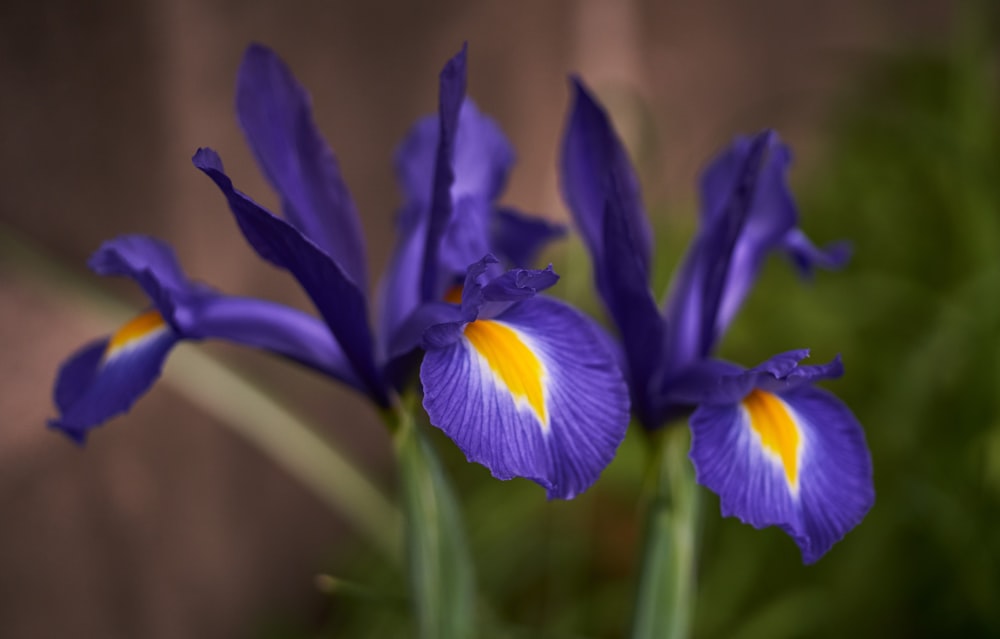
(168, 525)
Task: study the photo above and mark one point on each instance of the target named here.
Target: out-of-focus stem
(665, 599)
(440, 566)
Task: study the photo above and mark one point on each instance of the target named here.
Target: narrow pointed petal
(107, 376)
(449, 183)
(518, 238)
(481, 158)
(796, 460)
(595, 167)
(642, 330)
(337, 298)
(452, 92)
(602, 192)
(531, 393)
(275, 112)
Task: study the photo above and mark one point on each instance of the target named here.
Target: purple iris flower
(776, 449)
(501, 364)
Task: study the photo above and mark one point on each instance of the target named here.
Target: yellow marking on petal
(454, 294)
(136, 328)
(511, 361)
(779, 434)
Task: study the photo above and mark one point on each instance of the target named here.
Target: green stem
(666, 593)
(440, 566)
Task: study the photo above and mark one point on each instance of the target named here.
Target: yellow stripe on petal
(779, 434)
(135, 329)
(512, 362)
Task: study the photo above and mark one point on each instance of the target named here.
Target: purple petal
(150, 263)
(465, 238)
(795, 460)
(747, 212)
(276, 115)
(480, 159)
(272, 327)
(704, 281)
(518, 238)
(806, 256)
(483, 157)
(634, 311)
(452, 92)
(399, 290)
(107, 376)
(475, 157)
(595, 168)
(771, 216)
(717, 382)
(489, 291)
(530, 394)
(338, 299)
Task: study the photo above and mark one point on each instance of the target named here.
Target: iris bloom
(776, 449)
(502, 366)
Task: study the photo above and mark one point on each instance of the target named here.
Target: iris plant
(503, 374)
(776, 449)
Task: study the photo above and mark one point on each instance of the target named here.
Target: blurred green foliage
(911, 174)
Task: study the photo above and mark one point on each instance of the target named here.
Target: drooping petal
(107, 376)
(795, 459)
(275, 328)
(276, 115)
(595, 167)
(531, 393)
(195, 311)
(519, 238)
(338, 299)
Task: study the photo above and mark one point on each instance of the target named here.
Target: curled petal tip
(207, 159)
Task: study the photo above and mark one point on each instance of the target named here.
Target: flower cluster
(777, 450)
(503, 373)
(523, 383)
